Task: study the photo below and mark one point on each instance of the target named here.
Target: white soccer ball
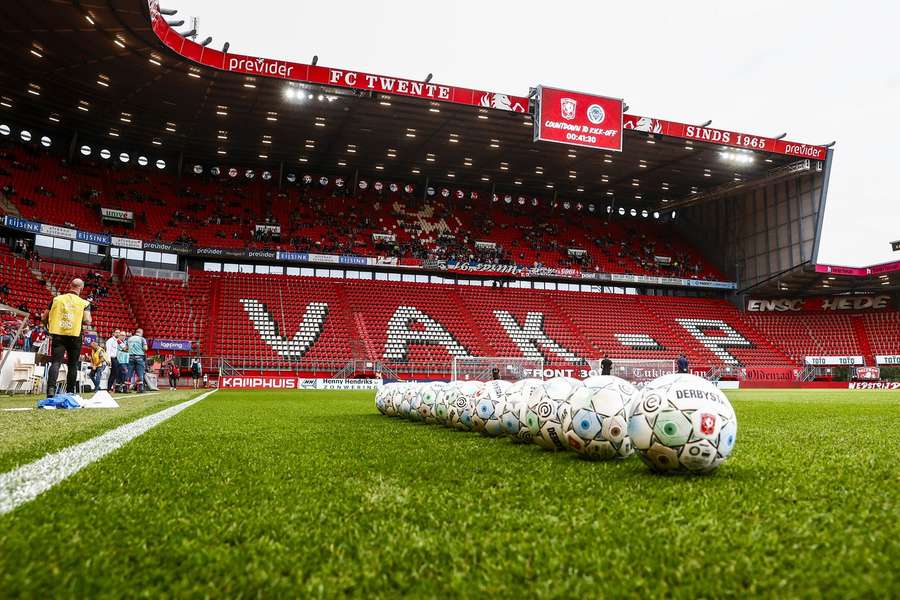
(392, 398)
(380, 395)
(682, 422)
(428, 395)
(597, 425)
(489, 402)
(442, 403)
(414, 400)
(546, 412)
(519, 394)
(462, 405)
(406, 394)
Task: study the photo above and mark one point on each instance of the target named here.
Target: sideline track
(27, 482)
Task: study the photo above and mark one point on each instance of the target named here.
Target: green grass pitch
(309, 494)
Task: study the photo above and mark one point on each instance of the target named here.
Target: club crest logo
(643, 124)
(567, 108)
(707, 424)
(596, 114)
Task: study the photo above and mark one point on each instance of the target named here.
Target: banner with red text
(723, 137)
(291, 71)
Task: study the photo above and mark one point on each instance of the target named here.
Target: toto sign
(578, 119)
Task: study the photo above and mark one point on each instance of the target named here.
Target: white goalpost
(636, 370)
(482, 368)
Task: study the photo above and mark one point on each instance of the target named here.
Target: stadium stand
(318, 324)
(883, 332)
(799, 335)
(109, 308)
(25, 287)
(279, 321)
(169, 309)
(222, 212)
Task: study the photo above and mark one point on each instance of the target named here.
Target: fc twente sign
(578, 119)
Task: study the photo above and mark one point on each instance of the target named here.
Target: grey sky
(821, 71)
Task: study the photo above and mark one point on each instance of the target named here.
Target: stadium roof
(829, 280)
(101, 69)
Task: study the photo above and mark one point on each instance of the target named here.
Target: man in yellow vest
(64, 320)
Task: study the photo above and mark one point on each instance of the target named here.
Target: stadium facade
(118, 84)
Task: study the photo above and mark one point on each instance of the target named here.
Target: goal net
(636, 371)
(482, 368)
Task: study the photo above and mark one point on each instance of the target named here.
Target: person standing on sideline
(112, 353)
(99, 361)
(196, 372)
(67, 314)
(137, 348)
(606, 365)
(682, 363)
(174, 374)
(124, 379)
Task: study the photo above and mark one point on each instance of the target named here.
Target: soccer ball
(518, 395)
(414, 400)
(546, 412)
(380, 397)
(488, 405)
(442, 403)
(462, 405)
(597, 424)
(406, 394)
(428, 394)
(392, 398)
(682, 422)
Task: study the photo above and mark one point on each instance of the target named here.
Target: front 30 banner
(578, 119)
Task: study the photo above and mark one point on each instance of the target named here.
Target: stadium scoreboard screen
(578, 119)
(895, 246)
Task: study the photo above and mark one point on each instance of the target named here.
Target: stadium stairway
(371, 352)
(212, 313)
(862, 339)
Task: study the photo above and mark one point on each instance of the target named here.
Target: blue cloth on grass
(61, 401)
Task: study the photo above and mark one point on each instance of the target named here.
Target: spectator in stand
(38, 335)
(682, 363)
(99, 362)
(137, 348)
(196, 372)
(112, 352)
(64, 319)
(4, 289)
(606, 365)
(26, 339)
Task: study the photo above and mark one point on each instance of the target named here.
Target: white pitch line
(30, 481)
